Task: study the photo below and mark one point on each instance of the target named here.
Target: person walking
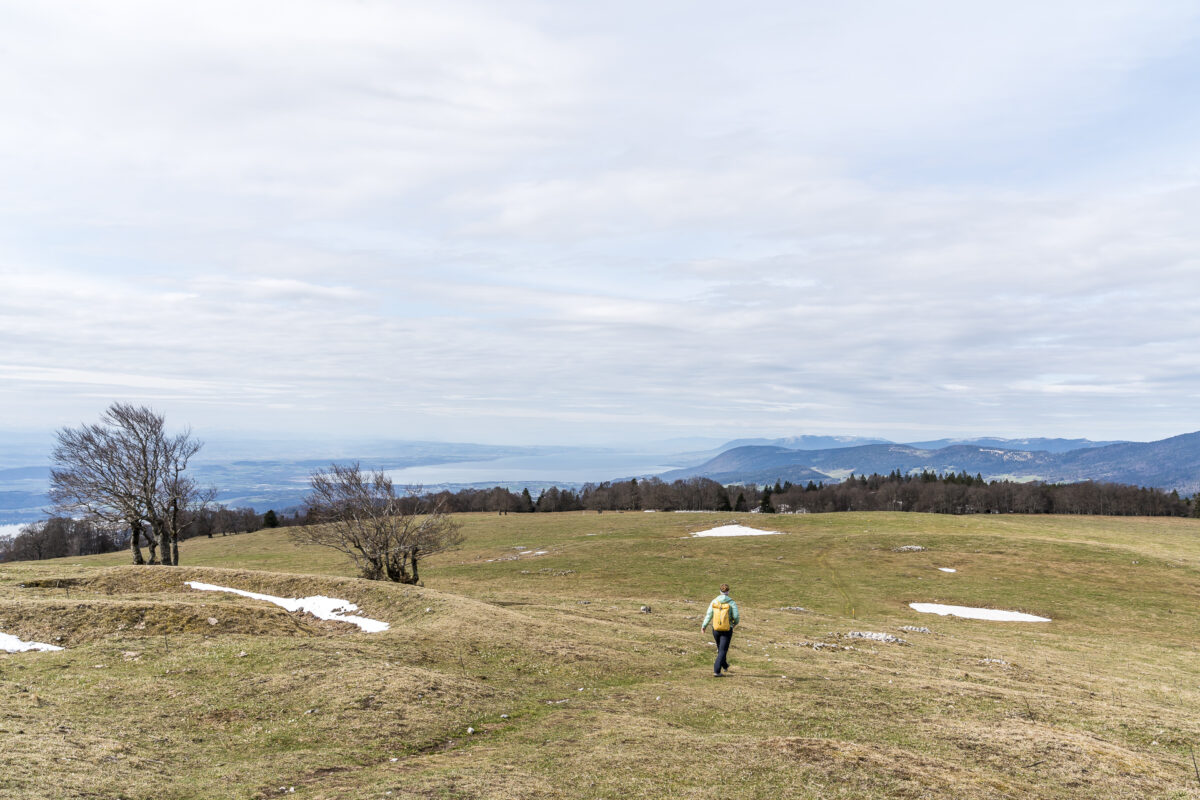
(723, 614)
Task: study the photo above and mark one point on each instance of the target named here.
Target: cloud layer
(527, 220)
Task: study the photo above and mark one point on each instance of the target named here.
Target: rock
(470, 730)
(212, 620)
(908, 548)
(428, 610)
(645, 609)
(242, 654)
(875, 637)
(914, 629)
(504, 716)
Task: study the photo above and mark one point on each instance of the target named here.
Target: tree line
(923, 492)
(64, 537)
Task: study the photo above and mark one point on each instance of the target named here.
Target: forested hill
(1172, 463)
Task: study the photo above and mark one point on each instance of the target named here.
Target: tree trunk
(135, 534)
(175, 550)
(414, 577)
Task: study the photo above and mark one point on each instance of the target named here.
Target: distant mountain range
(1172, 463)
(264, 474)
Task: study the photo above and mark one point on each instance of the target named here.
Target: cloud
(529, 219)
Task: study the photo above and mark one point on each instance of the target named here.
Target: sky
(545, 222)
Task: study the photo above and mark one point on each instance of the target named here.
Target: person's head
(724, 588)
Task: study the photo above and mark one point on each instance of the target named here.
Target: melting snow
(736, 530)
(975, 613)
(319, 606)
(947, 569)
(12, 644)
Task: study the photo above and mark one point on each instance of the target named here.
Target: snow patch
(12, 644)
(967, 612)
(947, 569)
(321, 607)
(735, 530)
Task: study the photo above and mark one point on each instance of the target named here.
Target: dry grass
(152, 700)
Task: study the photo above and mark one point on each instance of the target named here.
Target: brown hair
(724, 588)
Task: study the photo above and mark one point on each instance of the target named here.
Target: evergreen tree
(740, 505)
(270, 520)
(526, 502)
(765, 504)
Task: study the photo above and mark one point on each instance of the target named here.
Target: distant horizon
(227, 436)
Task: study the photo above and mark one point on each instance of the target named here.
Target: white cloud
(506, 221)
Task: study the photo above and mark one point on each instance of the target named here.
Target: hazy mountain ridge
(281, 483)
(1172, 463)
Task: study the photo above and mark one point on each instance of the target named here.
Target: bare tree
(125, 471)
(386, 535)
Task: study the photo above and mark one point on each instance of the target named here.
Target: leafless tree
(126, 471)
(385, 534)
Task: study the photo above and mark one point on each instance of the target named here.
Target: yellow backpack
(720, 617)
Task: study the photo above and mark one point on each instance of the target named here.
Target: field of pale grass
(571, 692)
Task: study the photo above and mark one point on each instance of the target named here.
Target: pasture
(525, 669)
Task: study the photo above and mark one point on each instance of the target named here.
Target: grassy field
(571, 692)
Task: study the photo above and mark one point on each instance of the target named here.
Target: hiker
(723, 614)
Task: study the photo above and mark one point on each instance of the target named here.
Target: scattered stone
(470, 730)
(908, 548)
(584, 603)
(504, 716)
(131, 655)
(915, 629)
(792, 608)
(212, 620)
(824, 646)
(875, 637)
(427, 610)
(242, 654)
(1000, 662)
(141, 626)
(645, 609)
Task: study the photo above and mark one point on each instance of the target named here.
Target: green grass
(151, 699)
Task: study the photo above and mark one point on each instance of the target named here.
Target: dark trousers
(722, 638)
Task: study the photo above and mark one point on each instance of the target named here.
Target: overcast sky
(523, 222)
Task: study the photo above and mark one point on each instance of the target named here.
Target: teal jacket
(733, 610)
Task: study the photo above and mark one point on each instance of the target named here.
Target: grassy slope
(151, 700)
